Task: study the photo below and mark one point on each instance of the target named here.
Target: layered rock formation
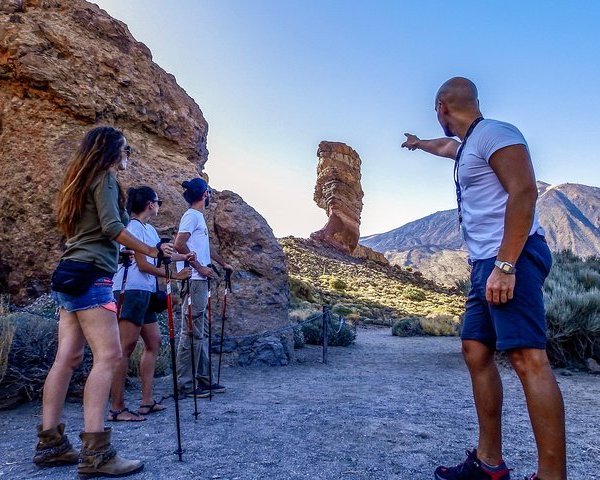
(339, 193)
(67, 66)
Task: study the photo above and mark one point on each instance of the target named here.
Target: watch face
(506, 267)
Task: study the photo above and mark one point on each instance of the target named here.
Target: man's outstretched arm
(442, 147)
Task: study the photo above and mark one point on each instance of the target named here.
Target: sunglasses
(157, 201)
(128, 150)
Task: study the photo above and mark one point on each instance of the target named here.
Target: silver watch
(506, 267)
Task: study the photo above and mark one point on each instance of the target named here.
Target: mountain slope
(570, 214)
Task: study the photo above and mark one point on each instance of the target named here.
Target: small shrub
(28, 348)
(298, 337)
(443, 325)
(163, 360)
(415, 294)
(341, 333)
(572, 300)
(342, 310)
(337, 284)
(407, 327)
(299, 314)
(301, 290)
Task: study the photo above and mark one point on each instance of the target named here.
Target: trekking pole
(126, 261)
(209, 343)
(191, 333)
(167, 261)
(223, 318)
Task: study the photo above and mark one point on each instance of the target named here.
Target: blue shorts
(98, 295)
(135, 307)
(521, 322)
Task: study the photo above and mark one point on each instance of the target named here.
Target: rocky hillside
(570, 214)
(362, 289)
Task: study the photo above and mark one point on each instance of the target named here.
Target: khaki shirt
(100, 223)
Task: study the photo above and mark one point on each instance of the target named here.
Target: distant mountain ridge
(569, 212)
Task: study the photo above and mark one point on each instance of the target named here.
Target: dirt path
(386, 408)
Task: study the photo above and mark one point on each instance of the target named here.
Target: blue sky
(275, 77)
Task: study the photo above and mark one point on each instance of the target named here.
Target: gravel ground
(385, 408)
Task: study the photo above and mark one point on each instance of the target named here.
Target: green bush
(342, 310)
(301, 290)
(407, 327)
(298, 337)
(340, 334)
(163, 360)
(441, 325)
(572, 299)
(337, 284)
(413, 293)
(28, 345)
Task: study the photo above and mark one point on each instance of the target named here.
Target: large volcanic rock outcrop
(66, 66)
(339, 193)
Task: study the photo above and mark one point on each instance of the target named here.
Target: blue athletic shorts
(98, 295)
(521, 322)
(135, 307)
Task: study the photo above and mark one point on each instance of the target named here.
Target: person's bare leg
(151, 337)
(546, 410)
(68, 356)
(100, 328)
(129, 333)
(487, 393)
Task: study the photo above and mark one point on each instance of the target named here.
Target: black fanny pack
(158, 301)
(74, 278)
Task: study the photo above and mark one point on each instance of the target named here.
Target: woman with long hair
(135, 316)
(92, 217)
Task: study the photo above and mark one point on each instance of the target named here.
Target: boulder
(259, 298)
(68, 66)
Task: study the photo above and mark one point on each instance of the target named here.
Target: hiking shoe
(198, 393)
(216, 387)
(472, 469)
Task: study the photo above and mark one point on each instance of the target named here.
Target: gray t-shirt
(483, 196)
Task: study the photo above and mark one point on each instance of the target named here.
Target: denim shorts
(521, 322)
(135, 307)
(98, 295)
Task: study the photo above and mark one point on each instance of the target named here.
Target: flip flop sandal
(114, 416)
(153, 407)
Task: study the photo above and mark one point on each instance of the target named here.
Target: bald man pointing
(496, 194)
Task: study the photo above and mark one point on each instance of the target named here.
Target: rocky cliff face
(66, 66)
(339, 193)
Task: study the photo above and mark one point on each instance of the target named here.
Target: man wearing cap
(496, 193)
(193, 237)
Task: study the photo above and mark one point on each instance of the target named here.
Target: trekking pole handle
(211, 265)
(228, 279)
(160, 258)
(125, 257)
